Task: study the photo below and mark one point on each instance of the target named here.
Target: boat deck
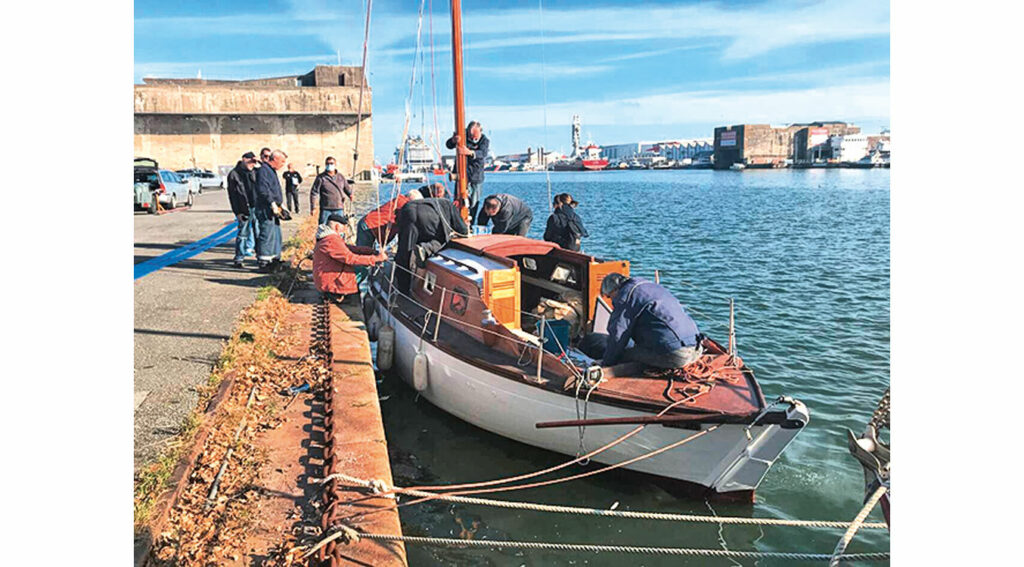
(733, 397)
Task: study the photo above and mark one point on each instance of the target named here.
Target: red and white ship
(582, 158)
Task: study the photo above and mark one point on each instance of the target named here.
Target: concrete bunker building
(184, 123)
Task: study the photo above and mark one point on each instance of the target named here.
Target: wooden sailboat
(468, 337)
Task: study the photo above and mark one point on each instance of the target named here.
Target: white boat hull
(724, 460)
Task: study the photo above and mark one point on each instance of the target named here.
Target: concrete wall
(207, 124)
(236, 99)
(215, 140)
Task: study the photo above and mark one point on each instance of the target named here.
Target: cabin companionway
(495, 322)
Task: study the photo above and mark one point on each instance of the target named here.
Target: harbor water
(805, 255)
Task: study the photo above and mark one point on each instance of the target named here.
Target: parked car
(167, 187)
(193, 180)
(146, 170)
(207, 178)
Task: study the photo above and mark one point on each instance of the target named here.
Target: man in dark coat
(332, 189)
(475, 147)
(565, 228)
(292, 180)
(266, 209)
(240, 190)
(425, 226)
(664, 336)
(509, 214)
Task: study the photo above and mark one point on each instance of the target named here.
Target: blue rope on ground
(174, 256)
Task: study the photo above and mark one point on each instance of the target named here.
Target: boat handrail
(563, 359)
(450, 290)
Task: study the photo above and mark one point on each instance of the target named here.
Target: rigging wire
(544, 89)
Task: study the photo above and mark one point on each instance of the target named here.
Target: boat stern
(762, 444)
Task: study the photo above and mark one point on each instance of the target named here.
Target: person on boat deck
(334, 260)
(433, 190)
(475, 147)
(565, 228)
(424, 227)
(332, 188)
(664, 336)
(509, 214)
(378, 225)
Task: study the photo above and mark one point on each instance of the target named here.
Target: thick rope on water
(583, 547)
(857, 523)
(380, 487)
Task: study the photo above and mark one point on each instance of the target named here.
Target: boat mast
(462, 200)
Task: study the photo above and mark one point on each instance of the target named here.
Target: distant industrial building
(210, 123)
(753, 145)
(667, 150)
(848, 147)
(811, 141)
(764, 145)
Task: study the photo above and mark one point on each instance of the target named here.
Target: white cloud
(855, 101)
(533, 70)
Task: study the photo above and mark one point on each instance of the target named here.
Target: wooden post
(732, 329)
(462, 193)
(540, 348)
(440, 308)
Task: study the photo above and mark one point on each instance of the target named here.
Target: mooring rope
(858, 522)
(352, 536)
(381, 487)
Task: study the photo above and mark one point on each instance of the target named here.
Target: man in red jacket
(378, 225)
(334, 261)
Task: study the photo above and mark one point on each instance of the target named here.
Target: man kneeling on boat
(663, 335)
(334, 260)
(424, 227)
(508, 213)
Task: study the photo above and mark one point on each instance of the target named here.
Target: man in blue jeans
(331, 190)
(266, 211)
(240, 190)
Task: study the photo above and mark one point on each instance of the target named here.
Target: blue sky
(632, 70)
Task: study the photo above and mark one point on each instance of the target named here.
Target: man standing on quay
(266, 210)
(332, 188)
(292, 179)
(240, 191)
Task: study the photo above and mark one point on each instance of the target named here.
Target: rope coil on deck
(661, 516)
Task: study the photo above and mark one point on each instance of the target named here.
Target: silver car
(206, 179)
(170, 188)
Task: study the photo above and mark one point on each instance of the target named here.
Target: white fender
(385, 347)
(420, 372)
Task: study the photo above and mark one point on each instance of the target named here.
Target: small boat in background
(737, 166)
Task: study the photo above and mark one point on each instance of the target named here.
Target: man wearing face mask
(332, 188)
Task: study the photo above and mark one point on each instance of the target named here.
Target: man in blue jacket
(664, 336)
(266, 207)
(475, 146)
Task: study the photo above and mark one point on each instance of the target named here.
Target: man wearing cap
(240, 191)
(509, 214)
(664, 336)
(565, 228)
(332, 189)
(334, 260)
